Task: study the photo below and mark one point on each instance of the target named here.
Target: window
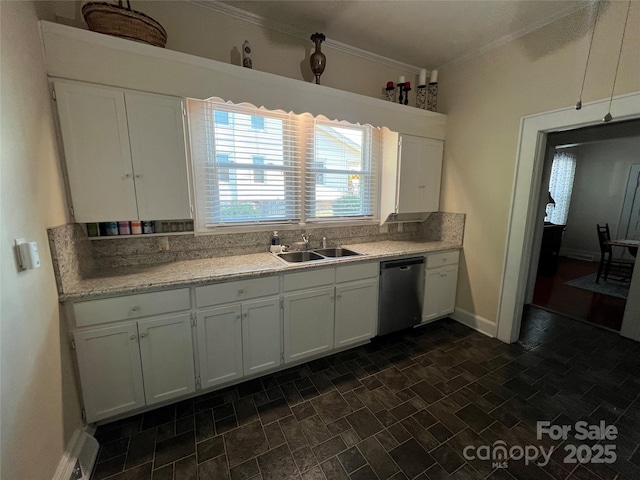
(267, 167)
(563, 171)
(341, 184)
(221, 118)
(319, 166)
(224, 173)
(257, 123)
(258, 173)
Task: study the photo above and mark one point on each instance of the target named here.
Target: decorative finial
(317, 59)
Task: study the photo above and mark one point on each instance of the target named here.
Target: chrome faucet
(305, 237)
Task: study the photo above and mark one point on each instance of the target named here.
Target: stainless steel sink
(297, 257)
(336, 252)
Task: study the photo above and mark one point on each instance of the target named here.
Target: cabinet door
(420, 174)
(308, 323)
(220, 345)
(156, 131)
(94, 131)
(261, 335)
(439, 292)
(110, 370)
(356, 312)
(166, 349)
(448, 287)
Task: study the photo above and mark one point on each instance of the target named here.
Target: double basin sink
(317, 254)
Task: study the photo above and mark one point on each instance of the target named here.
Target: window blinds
(255, 166)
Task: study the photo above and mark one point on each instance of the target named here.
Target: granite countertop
(146, 278)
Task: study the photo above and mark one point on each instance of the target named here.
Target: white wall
(39, 406)
(602, 171)
(202, 32)
(486, 98)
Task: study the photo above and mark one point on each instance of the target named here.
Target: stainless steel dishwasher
(401, 287)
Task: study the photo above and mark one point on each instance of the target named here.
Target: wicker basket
(123, 22)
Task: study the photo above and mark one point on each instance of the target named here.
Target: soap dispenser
(275, 243)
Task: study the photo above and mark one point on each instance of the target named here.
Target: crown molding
(515, 35)
(235, 12)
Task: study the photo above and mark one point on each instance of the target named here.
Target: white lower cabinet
(441, 279)
(356, 312)
(261, 335)
(239, 339)
(127, 366)
(133, 352)
(308, 323)
(220, 344)
(166, 350)
(341, 311)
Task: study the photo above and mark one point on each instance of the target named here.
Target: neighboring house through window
(275, 167)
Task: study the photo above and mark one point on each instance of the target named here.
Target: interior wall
(200, 31)
(39, 402)
(486, 98)
(602, 171)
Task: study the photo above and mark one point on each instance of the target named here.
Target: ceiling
(421, 33)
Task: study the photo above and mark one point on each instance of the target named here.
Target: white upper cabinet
(93, 122)
(411, 175)
(156, 132)
(420, 168)
(125, 153)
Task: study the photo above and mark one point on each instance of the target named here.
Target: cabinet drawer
(359, 271)
(106, 310)
(444, 258)
(309, 279)
(236, 291)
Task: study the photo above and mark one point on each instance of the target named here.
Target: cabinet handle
(245, 315)
(238, 317)
(332, 298)
(132, 337)
(339, 297)
(135, 308)
(142, 335)
(138, 176)
(127, 175)
(240, 291)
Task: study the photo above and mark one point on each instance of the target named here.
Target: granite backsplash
(76, 257)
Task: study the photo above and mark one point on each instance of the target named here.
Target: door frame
(633, 188)
(523, 222)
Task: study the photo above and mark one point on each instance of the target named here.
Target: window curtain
(563, 172)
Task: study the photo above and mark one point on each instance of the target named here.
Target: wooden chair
(608, 265)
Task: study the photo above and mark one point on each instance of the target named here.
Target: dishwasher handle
(402, 264)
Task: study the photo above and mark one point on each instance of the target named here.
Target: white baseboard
(82, 448)
(474, 321)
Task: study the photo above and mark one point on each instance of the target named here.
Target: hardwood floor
(552, 294)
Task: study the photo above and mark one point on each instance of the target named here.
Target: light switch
(28, 255)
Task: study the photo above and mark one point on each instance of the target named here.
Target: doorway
(584, 179)
(523, 222)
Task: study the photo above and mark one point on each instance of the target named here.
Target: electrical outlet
(384, 228)
(163, 244)
(400, 227)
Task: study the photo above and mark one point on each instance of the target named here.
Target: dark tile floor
(403, 407)
(552, 294)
